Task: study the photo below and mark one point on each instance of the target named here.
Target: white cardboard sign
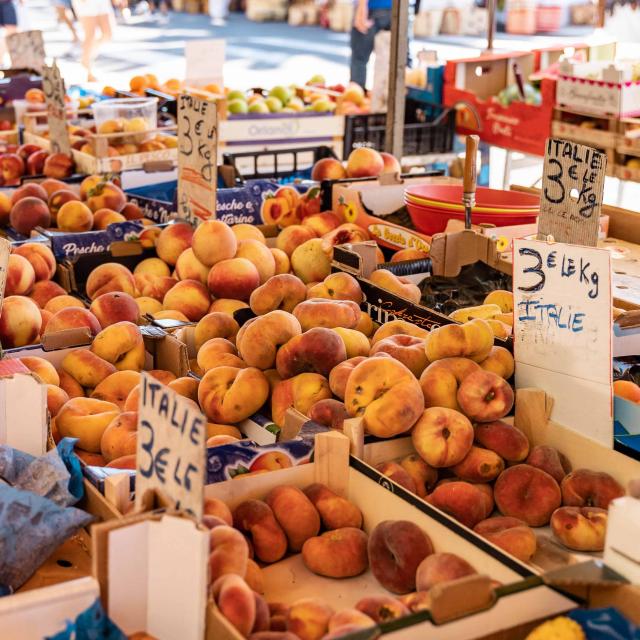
(205, 62)
(54, 93)
(171, 448)
(26, 50)
(563, 332)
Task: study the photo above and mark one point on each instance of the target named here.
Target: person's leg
(65, 15)
(106, 32)
(361, 48)
(89, 25)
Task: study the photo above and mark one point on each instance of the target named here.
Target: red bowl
(451, 194)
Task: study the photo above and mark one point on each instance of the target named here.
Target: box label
(26, 50)
(54, 93)
(197, 158)
(171, 447)
(571, 197)
(563, 332)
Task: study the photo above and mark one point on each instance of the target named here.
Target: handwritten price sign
(563, 332)
(571, 198)
(54, 93)
(26, 50)
(197, 158)
(171, 447)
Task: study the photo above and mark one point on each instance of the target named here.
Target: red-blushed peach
(152, 267)
(46, 316)
(550, 460)
(40, 257)
(42, 368)
(340, 374)
(227, 305)
(220, 441)
(347, 232)
(527, 493)
(105, 195)
(120, 437)
(337, 286)
(219, 508)
(423, 475)
(310, 261)
(322, 223)
(441, 567)
(29, 213)
(110, 276)
(390, 163)
(215, 325)
(186, 386)
(580, 528)
(117, 387)
(51, 185)
(173, 240)
(487, 497)
(20, 321)
(86, 419)
(188, 267)
(165, 377)
(218, 352)
(408, 254)
(320, 312)
(335, 511)
(395, 549)
(300, 392)
(318, 350)
(499, 361)
(190, 297)
(91, 459)
(295, 513)
(86, 368)
(386, 395)
(442, 437)
(153, 286)
(473, 340)
(63, 302)
(351, 618)
(329, 412)
(56, 399)
(586, 488)
(510, 534)
(20, 276)
(248, 232)
(505, 439)
(229, 552)
(365, 325)
(398, 474)
(131, 211)
(463, 501)
(255, 519)
(102, 218)
(282, 262)
(398, 327)
(58, 199)
(290, 238)
(122, 345)
(382, 608)
(113, 307)
(214, 241)
(233, 278)
(308, 619)
(441, 380)
(125, 462)
(406, 349)
(236, 602)
(73, 318)
(261, 623)
(479, 465)
(253, 577)
(44, 290)
(417, 601)
(261, 257)
(340, 553)
(230, 394)
(271, 461)
(484, 396)
(283, 291)
(328, 169)
(70, 385)
(259, 339)
(398, 285)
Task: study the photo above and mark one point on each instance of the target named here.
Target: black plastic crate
(429, 128)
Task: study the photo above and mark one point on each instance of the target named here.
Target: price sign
(26, 50)
(54, 93)
(563, 331)
(197, 158)
(171, 447)
(571, 198)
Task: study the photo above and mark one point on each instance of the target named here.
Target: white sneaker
(218, 22)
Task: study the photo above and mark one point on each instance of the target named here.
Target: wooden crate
(594, 131)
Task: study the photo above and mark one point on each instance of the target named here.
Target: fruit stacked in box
(29, 159)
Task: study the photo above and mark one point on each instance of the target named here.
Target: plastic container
(548, 18)
(126, 112)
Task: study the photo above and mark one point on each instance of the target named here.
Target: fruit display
(19, 161)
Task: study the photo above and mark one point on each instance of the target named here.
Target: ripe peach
(390, 163)
(341, 553)
(499, 361)
(150, 286)
(214, 241)
(189, 297)
(408, 254)
(102, 218)
(347, 232)
(248, 232)
(153, 267)
(290, 238)
(74, 216)
(229, 552)
(110, 276)
(20, 276)
(218, 508)
(586, 488)
(463, 501)
(320, 312)
(322, 223)
(173, 240)
(295, 513)
(58, 165)
(20, 321)
(506, 440)
(398, 327)
(29, 190)
(300, 392)
(218, 352)
(125, 462)
(329, 412)
(51, 185)
(70, 385)
(441, 379)
(73, 318)
(40, 257)
(215, 325)
(351, 618)
(256, 520)
(188, 267)
(46, 316)
(626, 389)
(397, 285)
(113, 307)
(337, 286)
(148, 305)
(473, 340)
(86, 368)
(484, 396)
(442, 437)
(310, 262)
(317, 351)
(510, 534)
(308, 619)
(340, 374)
(131, 211)
(328, 169)
(42, 369)
(86, 419)
(227, 305)
(172, 315)
(580, 528)
(63, 302)
(56, 399)
(356, 343)
(364, 162)
(236, 602)
(382, 608)
(283, 265)
(408, 350)
(441, 567)
(106, 195)
(122, 345)
(283, 291)
(58, 199)
(335, 511)
(120, 437)
(550, 460)
(504, 299)
(233, 278)
(29, 213)
(398, 474)
(260, 256)
(44, 290)
(117, 387)
(424, 477)
(5, 209)
(479, 465)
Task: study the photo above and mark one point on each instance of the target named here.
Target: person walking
(8, 23)
(64, 13)
(371, 16)
(94, 16)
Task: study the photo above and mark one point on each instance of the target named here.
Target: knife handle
(470, 176)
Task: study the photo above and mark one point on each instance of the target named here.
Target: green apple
(323, 104)
(237, 106)
(296, 104)
(282, 93)
(317, 79)
(274, 104)
(236, 94)
(259, 106)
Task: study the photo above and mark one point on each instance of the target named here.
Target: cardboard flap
(293, 421)
(67, 338)
(452, 251)
(358, 258)
(331, 458)
(459, 598)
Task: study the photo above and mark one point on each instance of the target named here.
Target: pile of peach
(399, 554)
(32, 160)
(55, 204)
(363, 162)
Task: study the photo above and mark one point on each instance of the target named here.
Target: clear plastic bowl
(126, 115)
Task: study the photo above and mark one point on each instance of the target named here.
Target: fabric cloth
(92, 8)
(379, 4)
(8, 15)
(362, 44)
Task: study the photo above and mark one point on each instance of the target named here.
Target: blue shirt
(379, 4)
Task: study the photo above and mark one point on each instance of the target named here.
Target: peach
(424, 477)
(510, 534)
(317, 351)
(190, 298)
(148, 306)
(550, 460)
(340, 553)
(473, 340)
(46, 316)
(172, 316)
(248, 232)
(328, 169)
(398, 474)
(40, 257)
(504, 299)
(74, 216)
(215, 325)
(340, 374)
(188, 267)
(173, 240)
(44, 290)
(261, 257)
(337, 286)
(499, 361)
(73, 318)
(110, 276)
(398, 327)
(300, 392)
(441, 567)
(319, 312)
(586, 488)
(51, 185)
(255, 519)
(442, 437)
(580, 528)
(626, 389)
(398, 285)
(408, 254)
(408, 350)
(106, 195)
(271, 461)
(120, 437)
(308, 619)
(230, 394)
(20, 322)
(165, 377)
(42, 369)
(396, 549)
(20, 276)
(390, 163)
(29, 213)
(382, 608)
(253, 576)
(131, 211)
(484, 396)
(113, 307)
(441, 380)
(386, 395)
(218, 352)
(479, 465)
(186, 386)
(290, 238)
(216, 507)
(229, 552)
(5, 209)
(322, 223)
(282, 262)
(417, 601)
(117, 387)
(102, 218)
(122, 345)
(152, 267)
(295, 513)
(351, 618)
(125, 462)
(463, 501)
(527, 493)
(91, 459)
(213, 242)
(86, 368)
(56, 399)
(487, 497)
(233, 278)
(64, 302)
(356, 343)
(364, 162)
(335, 511)
(365, 324)
(506, 440)
(329, 412)
(236, 602)
(86, 419)
(156, 287)
(258, 339)
(310, 261)
(283, 291)
(70, 385)
(58, 199)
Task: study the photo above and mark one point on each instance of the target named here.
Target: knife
(469, 179)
